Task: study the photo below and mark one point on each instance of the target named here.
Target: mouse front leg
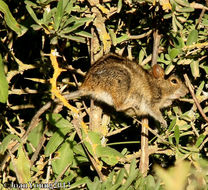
(156, 114)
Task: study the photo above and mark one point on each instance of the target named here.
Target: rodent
(129, 88)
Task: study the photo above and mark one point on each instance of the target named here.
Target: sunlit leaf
(200, 88)
(169, 68)
(22, 166)
(10, 20)
(192, 37)
(119, 6)
(58, 121)
(36, 134)
(200, 140)
(3, 83)
(59, 14)
(122, 38)
(64, 158)
(108, 155)
(185, 9)
(177, 134)
(33, 15)
(195, 69)
(173, 53)
(5, 142)
(183, 3)
(56, 139)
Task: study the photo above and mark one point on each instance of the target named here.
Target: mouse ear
(158, 71)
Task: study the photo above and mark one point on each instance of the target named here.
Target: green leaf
(95, 185)
(56, 139)
(172, 124)
(120, 176)
(10, 20)
(3, 83)
(150, 181)
(192, 37)
(185, 61)
(134, 172)
(64, 158)
(108, 155)
(175, 28)
(178, 23)
(94, 137)
(205, 22)
(84, 34)
(48, 17)
(167, 16)
(69, 6)
(177, 134)
(169, 68)
(119, 6)
(200, 140)
(6, 141)
(167, 57)
(64, 127)
(200, 88)
(179, 43)
(33, 15)
(78, 149)
(133, 167)
(195, 69)
(58, 121)
(205, 68)
(74, 38)
(69, 21)
(173, 53)
(22, 166)
(72, 28)
(91, 139)
(184, 9)
(80, 182)
(59, 14)
(78, 23)
(113, 36)
(141, 55)
(122, 38)
(36, 134)
(183, 3)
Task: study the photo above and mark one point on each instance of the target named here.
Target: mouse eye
(174, 81)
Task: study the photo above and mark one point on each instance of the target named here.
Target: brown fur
(125, 85)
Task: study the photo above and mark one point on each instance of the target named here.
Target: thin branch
(200, 18)
(156, 44)
(188, 83)
(198, 6)
(205, 141)
(94, 163)
(137, 37)
(117, 131)
(144, 160)
(48, 169)
(155, 133)
(151, 150)
(61, 174)
(34, 122)
(194, 129)
(36, 153)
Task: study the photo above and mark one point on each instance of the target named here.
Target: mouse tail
(75, 94)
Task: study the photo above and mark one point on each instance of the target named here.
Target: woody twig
(188, 83)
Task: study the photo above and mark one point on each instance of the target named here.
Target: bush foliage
(46, 48)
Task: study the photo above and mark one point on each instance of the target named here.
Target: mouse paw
(163, 124)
